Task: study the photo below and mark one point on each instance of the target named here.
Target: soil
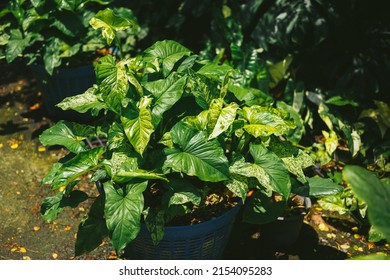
(24, 234)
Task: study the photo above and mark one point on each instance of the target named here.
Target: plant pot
(63, 83)
(206, 240)
(285, 231)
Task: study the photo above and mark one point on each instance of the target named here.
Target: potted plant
(56, 39)
(183, 136)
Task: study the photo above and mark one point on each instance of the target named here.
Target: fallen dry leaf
(14, 146)
(67, 228)
(26, 258)
(41, 149)
(35, 106)
(54, 255)
(36, 228)
(323, 227)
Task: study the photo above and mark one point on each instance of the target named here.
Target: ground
(24, 234)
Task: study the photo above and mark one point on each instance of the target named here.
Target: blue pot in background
(63, 83)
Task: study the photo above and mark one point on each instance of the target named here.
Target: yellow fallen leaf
(323, 227)
(14, 249)
(67, 228)
(54, 255)
(355, 229)
(1, 145)
(357, 236)
(14, 146)
(26, 258)
(22, 250)
(36, 228)
(41, 149)
(345, 246)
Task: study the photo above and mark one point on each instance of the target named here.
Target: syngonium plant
(58, 33)
(177, 129)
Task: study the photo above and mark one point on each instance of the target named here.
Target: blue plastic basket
(63, 83)
(202, 241)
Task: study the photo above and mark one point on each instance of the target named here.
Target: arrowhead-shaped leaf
(67, 134)
(168, 53)
(123, 209)
(110, 22)
(196, 156)
(138, 125)
(166, 93)
(268, 169)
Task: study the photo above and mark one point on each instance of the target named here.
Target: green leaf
(196, 156)
(93, 229)
(167, 53)
(116, 136)
(166, 93)
(367, 186)
(83, 102)
(110, 23)
(124, 168)
(155, 221)
(267, 168)
(220, 118)
(67, 134)
(112, 80)
(181, 192)
(279, 70)
(319, 187)
(215, 71)
(16, 45)
(333, 203)
(52, 206)
(250, 96)
(238, 185)
(293, 158)
(123, 209)
(340, 101)
(265, 121)
(261, 209)
(80, 164)
(51, 56)
(138, 125)
(331, 141)
(294, 135)
(374, 235)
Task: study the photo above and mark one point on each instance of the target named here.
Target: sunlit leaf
(194, 155)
